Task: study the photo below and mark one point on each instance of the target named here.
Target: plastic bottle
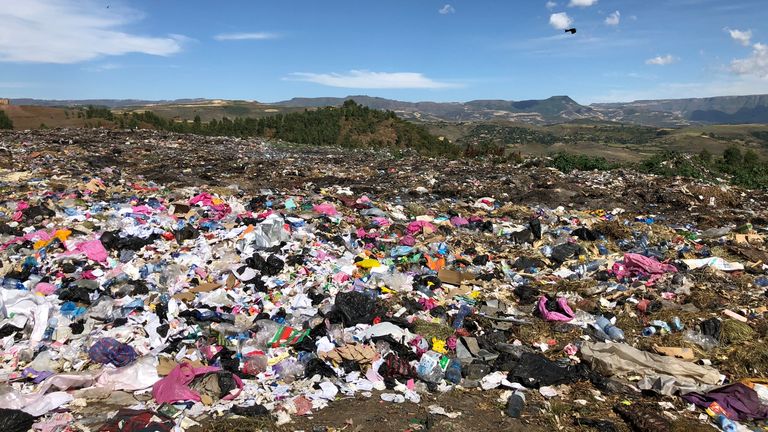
(677, 325)
(725, 424)
(52, 323)
(649, 331)
(453, 371)
(430, 368)
(515, 405)
(602, 249)
(616, 334)
(662, 325)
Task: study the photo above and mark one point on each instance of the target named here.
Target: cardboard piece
(454, 277)
(681, 353)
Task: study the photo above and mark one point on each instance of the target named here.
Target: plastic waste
(726, 424)
(453, 371)
(705, 342)
(515, 405)
(432, 366)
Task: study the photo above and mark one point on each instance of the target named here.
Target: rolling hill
(553, 110)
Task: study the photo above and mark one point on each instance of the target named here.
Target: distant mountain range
(556, 109)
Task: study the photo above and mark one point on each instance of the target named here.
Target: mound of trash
(133, 303)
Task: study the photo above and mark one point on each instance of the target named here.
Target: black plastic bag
(15, 420)
(318, 367)
(357, 308)
(534, 371)
(584, 234)
(564, 252)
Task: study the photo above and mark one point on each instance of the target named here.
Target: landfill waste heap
(153, 281)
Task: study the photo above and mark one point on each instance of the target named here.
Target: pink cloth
(562, 303)
(326, 209)
(32, 236)
(93, 249)
(420, 226)
(459, 221)
(175, 387)
(143, 209)
(636, 264)
(408, 240)
(45, 288)
(206, 199)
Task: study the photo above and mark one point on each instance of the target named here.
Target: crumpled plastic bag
(112, 351)
(22, 306)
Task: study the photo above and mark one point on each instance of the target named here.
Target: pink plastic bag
(565, 316)
(326, 209)
(175, 387)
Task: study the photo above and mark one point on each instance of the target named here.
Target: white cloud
(661, 60)
(364, 79)
(245, 36)
(551, 5)
(754, 65)
(71, 31)
(447, 9)
(742, 37)
(103, 67)
(613, 19)
(582, 3)
(560, 21)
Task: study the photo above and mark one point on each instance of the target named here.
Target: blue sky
(455, 50)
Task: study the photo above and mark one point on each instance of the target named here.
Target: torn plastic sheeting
(35, 404)
(22, 306)
(713, 262)
(619, 359)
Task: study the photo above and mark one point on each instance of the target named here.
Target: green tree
(732, 157)
(751, 158)
(705, 156)
(5, 121)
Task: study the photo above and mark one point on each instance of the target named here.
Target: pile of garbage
(134, 304)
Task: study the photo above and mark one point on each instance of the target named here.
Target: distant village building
(5, 102)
